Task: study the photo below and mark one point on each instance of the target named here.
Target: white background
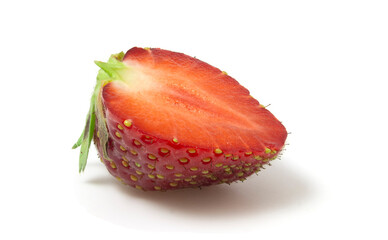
(322, 65)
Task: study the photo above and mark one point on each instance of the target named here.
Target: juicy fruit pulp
(163, 120)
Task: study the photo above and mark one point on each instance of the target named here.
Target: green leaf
(79, 141)
(109, 71)
(87, 139)
(112, 67)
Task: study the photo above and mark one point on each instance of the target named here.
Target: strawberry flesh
(177, 96)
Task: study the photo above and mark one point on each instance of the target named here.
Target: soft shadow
(103, 180)
(274, 188)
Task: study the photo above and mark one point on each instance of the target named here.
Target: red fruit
(163, 120)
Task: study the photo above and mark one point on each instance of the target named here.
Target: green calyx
(110, 71)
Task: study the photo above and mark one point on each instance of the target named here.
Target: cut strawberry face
(165, 120)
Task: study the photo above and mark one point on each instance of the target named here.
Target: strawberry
(163, 120)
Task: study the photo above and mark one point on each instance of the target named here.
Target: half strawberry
(163, 120)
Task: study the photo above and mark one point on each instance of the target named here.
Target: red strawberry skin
(132, 163)
(173, 121)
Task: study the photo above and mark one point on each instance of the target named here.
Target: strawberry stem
(107, 73)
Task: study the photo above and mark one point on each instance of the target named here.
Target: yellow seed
(150, 166)
(178, 174)
(98, 134)
(125, 164)
(218, 164)
(225, 166)
(228, 155)
(233, 166)
(134, 178)
(112, 165)
(258, 158)
(183, 160)
(235, 157)
(227, 169)
(205, 171)
(194, 169)
(192, 151)
(124, 158)
(207, 176)
(187, 179)
(267, 150)
(223, 72)
(136, 142)
(247, 169)
(118, 134)
(248, 153)
(240, 174)
(248, 164)
(119, 179)
(266, 160)
(164, 150)
(134, 153)
(193, 182)
(128, 123)
(173, 184)
(217, 151)
(169, 167)
(151, 176)
(157, 188)
(139, 187)
(120, 127)
(258, 165)
(274, 151)
(213, 177)
(138, 172)
(206, 160)
(228, 173)
(151, 156)
(123, 148)
(175, 140)
(159, 176)
(137, 164)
